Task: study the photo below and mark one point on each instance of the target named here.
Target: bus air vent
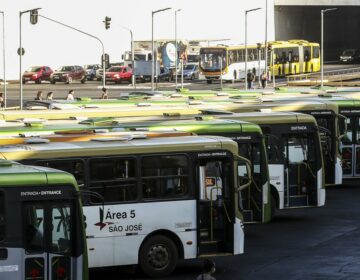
(36, 140)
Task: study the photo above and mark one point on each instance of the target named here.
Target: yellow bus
(294, 57)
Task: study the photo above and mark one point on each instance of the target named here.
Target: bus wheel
(158, 256)
(209, 81)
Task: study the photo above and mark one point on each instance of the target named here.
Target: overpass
(301, 19)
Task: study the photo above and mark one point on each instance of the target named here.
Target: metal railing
(334, 75)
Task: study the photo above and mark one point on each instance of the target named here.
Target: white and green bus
(164, 198)
(42, 233)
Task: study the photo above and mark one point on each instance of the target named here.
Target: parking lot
(312, 243)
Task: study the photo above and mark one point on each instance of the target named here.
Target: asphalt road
(93, 88)
(313, 243)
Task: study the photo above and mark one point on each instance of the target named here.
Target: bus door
(48, 241)
(348, 148)
(301, 59)
(216, 219)
(300, 170)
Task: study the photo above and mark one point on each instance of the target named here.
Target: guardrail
(331, 75)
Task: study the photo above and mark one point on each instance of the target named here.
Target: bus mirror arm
(324, 130)
(343, 132)
(83, 193)
(248, 170)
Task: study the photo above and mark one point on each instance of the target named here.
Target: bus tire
(209, 81)
(158, 256)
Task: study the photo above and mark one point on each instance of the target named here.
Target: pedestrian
(70, 95)
(104, 94)
(250, 78)
(49, 95)
(39, 95)
(208, 269)
(2, 100)
(263, 79)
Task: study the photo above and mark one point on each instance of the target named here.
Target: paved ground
(307, 244)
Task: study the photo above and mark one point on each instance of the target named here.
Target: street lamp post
(266, 43)
(152, 44)
(20, 52)
(176, 49)
(4, 69)
(246, 50)
(133, 80)
(322, 42)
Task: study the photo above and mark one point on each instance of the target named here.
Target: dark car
(350, 56)
(68, 74)
(165, 74)
(37, 74)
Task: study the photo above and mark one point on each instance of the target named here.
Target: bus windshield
(213, 59)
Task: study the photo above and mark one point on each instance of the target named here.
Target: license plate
(27, 79)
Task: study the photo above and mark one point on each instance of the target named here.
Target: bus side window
(73, 166)
(2, 216)
(164, 176)
(113, 178)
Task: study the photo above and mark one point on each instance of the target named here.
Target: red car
(37, 74)
(117, 74)
(68, 74)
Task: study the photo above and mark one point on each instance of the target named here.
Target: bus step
(208, 247)
(204, 233)
(293, 190)
(248, 215)
(298, 200)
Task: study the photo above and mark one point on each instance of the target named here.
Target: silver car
(190, 72)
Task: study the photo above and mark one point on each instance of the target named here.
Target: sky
(48, 43)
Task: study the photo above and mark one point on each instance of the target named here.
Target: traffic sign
(21, 52)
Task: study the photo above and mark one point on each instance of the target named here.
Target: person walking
(104, 94)
(70, 95)
(49, 95)
(39, 95)
(208, 269)
(2, 100)
(250, 78)
(263, 79)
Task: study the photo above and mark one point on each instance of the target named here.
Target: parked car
(350, 56)
(68, 74)
(91, 71)
(117, 74)
(99, 72)
(37, 74)
(190, 71)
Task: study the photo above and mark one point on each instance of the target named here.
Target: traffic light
(107, 22)
(105, 59)
(34, 16)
